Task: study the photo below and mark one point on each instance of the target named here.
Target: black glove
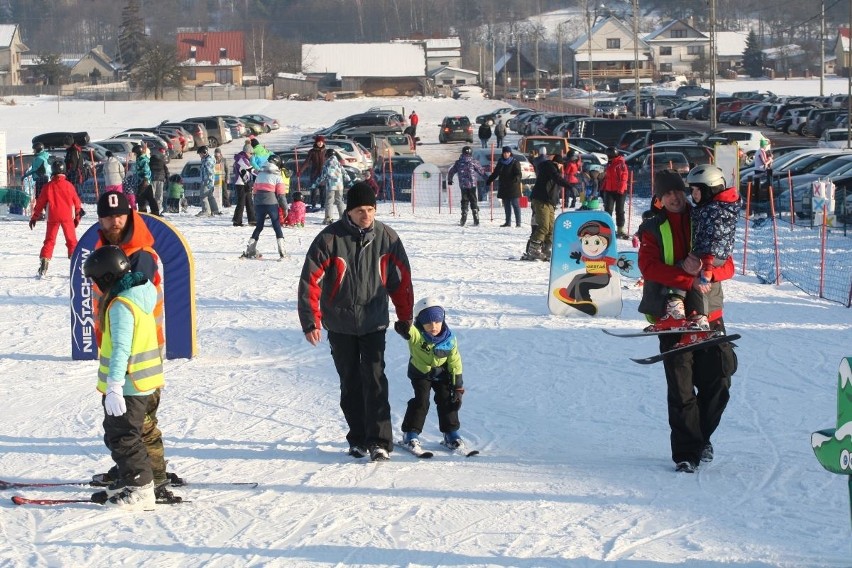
(402, 328)
(32, 224)
(577, 255)
(78, 216)
(456, 398)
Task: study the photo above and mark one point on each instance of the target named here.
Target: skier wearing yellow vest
(130, 371)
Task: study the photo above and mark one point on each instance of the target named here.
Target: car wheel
(441, 140)
(749, 158)
(212, 142)
(268, 130)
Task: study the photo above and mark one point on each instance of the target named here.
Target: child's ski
(617, 333)
(416, 450)
(460, 450)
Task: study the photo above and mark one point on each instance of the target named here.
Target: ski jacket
(207, 165)
(62, 198)
(468, 169)
(143, 170)
(158, 167)
(571, 171)
(547, 184)
(413, 119)
(665, 242)
(615, 176)
(113, 171)
(40, 165)
(259, 156)
(508, 176)
(500, 130)
(243, 171)
(314, 162)
(762, 160)
(484, 131)
(434, 361)
(714, 226)
(348, 276)
(175, 190)
(269, 185)
(73, 158)
(333, 176)
(129, 354)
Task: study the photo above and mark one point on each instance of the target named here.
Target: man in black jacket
(545, 196)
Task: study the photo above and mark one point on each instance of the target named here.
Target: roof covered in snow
(365, 59)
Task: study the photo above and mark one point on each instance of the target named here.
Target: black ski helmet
(105, 266)
(467, 150)
(38, 147)
(275, 160)
(57, 167)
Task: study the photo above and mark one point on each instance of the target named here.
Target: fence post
(822, 242)
(775, 236)
(745, 237)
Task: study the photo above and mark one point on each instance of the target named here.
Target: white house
(609, 55)
(676, 45)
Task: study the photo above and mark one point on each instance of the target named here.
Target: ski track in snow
(575, 467)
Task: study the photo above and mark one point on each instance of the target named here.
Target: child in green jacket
(175, 193)
(435, 364)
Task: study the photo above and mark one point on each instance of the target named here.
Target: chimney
(223, 53)
(192, 52)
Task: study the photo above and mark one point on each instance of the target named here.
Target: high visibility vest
(145, 366)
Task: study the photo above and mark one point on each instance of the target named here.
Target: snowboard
(584, 279)
(714, 340)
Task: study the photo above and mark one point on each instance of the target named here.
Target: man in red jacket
(614, 188)
(698, 382)
(63, 210)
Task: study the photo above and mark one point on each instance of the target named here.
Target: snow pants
(146, 199)
(418, 407)
(614, 200)
(68, 231)
(123, 437)
(244, 201)
(360, 363)
(698, 386)
(262, 211)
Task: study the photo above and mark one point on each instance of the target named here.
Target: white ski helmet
(707, 176)
(425, 304)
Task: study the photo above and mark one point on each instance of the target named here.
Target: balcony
(623, 73)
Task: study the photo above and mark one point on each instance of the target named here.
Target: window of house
(445, 63)
(189, 73)
(613, 43)
(225, 76)
(666, 50)
(665, 67)
(695, 49)
(679, 33)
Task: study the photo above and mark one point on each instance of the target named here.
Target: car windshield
(457, 122)
(832, 165)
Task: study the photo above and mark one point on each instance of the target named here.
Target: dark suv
(456, 129)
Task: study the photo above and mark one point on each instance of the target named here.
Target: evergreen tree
(158, 69)
(753, 56)
(131, 35)
(50, 69)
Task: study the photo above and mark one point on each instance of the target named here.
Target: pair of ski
(710, 338)
(460, 450)
(20, 500)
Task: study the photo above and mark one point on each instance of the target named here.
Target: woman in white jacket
(113, 173)
(335, 178)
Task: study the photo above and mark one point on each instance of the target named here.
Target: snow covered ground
(574, 470)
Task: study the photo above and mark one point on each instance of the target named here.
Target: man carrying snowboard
(698, 381)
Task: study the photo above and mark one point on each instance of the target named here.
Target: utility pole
(493, 71)
(712, 108)
(561, 74)
(822, 50)
(591, 67)
(847, 62)
(636, 111)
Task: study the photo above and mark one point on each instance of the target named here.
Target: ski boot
(42, 267)
(251, 249)
(475, 217)
(463, 219)
(533, 251)
(281, 252)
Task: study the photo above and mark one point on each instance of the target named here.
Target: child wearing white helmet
(435, 364)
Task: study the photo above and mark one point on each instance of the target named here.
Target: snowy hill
(575, 468)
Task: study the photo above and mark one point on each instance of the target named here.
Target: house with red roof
(211, 57)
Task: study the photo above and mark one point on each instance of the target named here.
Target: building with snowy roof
(379, 69)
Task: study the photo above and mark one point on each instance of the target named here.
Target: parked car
(692, 91)
(195, 129)
(653, 163)
(267, 123)
(696, 154)
(834, 138)
(218, 132)
(393, 145)
(396, 174)
(120, 148)
(610, 109)
(456, 129)
(154, 143)
(57, 139)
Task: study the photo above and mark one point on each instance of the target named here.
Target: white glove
(114, 401)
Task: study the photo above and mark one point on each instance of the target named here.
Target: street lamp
(636, 110)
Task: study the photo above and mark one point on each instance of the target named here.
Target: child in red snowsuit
(63, 210)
